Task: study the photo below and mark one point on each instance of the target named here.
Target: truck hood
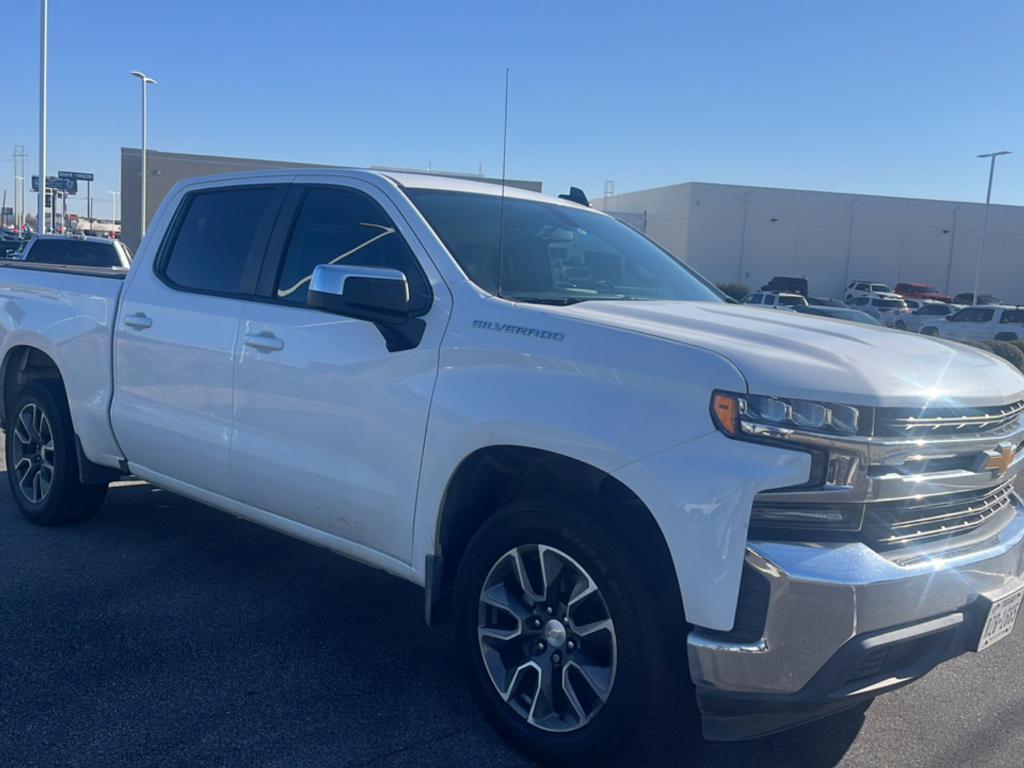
(788, 354)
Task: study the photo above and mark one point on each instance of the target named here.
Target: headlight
(768, 417)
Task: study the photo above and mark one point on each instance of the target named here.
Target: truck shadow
(166, 633)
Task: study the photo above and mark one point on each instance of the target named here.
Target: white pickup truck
(979, 323)
(623, 489)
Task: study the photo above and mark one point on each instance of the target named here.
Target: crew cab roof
(402, 179)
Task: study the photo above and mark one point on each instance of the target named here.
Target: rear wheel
(929, 331)
(562, 640)
(900, 325)
(42, 463)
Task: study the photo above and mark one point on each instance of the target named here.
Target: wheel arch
(22, 364)
(492, 477)
(1006, 336)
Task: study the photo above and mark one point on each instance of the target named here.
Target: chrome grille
(947, 422)
(893, 524)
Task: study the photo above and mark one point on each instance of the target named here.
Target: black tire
(929, 331)
(67, 500)
(651, 683)
(900, 325)
(1006, 337)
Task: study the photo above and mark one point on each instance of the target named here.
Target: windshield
(792, 301)
(553, 253)
(73, 253)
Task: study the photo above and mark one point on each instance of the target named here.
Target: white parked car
(929, 312)
(864, 288)
(627, 490)
(776, 300)
(886, 309)
(76, 251)
(979, 323)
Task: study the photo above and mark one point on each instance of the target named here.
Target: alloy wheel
(34, 453)
(547, 638)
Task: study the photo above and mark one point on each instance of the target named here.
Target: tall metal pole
(43, 43)
(144, 80)
(145, 178)
(984, 227)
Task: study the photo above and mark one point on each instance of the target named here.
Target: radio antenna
(501, 208)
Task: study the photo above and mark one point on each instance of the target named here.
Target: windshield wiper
(558, 301)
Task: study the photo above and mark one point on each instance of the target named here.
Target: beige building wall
(749, 234)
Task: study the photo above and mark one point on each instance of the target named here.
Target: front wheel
(900, 325)
(42, 463)
(562, 643)
(929, 332)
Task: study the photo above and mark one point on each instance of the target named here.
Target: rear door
(174, 345)
(318, 396)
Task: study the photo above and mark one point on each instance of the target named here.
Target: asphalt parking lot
(164, 633)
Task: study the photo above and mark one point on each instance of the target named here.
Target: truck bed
(68, 312)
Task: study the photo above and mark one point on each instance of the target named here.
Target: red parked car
(921, 291)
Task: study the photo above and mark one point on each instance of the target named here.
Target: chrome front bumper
(835, 612)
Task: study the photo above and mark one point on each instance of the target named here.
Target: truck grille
(947, 422)
(894, 524)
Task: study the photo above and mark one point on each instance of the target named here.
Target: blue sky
(892, 98)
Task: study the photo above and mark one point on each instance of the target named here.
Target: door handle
(264, 342)
(139, 321)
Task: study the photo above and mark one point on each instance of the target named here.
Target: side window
(1013, 316)
(985, 315)
(346, 227)
(769, 300)
(210, 251)
(970, 315)
(754, 298)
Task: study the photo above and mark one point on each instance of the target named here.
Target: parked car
(776, 300)
(864, 288)
(968, 298)
(10, 244)
(921, 291)
(75, 250)
(979, 323)
(615, 480)
(822, 301)
(839, 313)
(887, 309)
(787, 285)
(931, 310)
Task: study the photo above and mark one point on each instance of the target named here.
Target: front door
(329, 425)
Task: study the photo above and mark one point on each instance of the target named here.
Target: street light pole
(144, 80)
(44, 12)
(984, 227)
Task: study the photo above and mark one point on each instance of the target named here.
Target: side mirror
(377, 294)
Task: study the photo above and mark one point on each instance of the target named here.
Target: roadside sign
(75, 175)
(61, 185)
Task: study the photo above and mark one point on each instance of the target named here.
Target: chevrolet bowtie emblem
(999, 463)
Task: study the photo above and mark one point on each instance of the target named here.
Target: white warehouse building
(747, 235)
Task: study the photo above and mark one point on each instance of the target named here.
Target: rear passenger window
(345, 227)
(211, 247)
(1013, 316)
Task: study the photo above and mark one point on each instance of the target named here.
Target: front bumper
(842, 623)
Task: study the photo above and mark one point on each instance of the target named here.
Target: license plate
(1001, 619)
